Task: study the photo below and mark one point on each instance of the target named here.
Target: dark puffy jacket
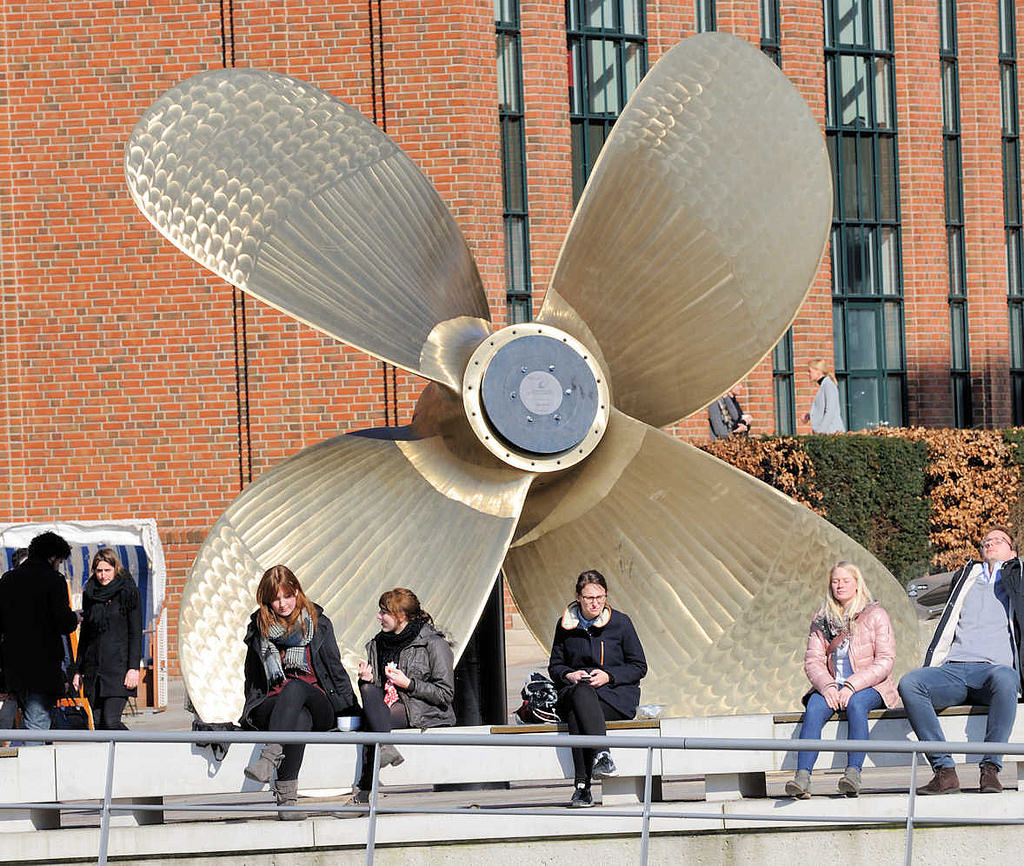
(429, 661)
(326, 660)
(611, 645)
(34, 614)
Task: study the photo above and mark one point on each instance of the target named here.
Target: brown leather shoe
(990, 783)
(945, 781)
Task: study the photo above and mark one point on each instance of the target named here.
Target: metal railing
(645, 813)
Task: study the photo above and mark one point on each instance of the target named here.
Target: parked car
(930, 593)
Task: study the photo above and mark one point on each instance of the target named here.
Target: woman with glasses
(596, 663)
(849, 658)
(407, 680)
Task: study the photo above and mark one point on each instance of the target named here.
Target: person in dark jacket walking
(407, 680)
(34, 617)
(294, 679)
(596, 663)
(110, 646)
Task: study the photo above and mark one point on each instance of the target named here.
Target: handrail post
(371, 830)
(645, 835)
(105, 814)
(908, 853)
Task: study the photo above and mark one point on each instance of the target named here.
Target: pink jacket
(872, 651)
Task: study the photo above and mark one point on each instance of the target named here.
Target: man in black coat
(34, 617)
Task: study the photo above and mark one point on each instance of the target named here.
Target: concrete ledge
(461, 839)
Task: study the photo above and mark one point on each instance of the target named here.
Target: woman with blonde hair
(849, 659)
(110, 647)
(294, 679)
(407, 680)
(825, 415)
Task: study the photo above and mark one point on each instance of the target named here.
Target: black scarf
(390, 644)
(97, 595)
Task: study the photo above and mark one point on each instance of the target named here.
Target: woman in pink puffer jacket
(850, 652)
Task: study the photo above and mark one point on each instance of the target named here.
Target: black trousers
(377, 716)
(585, 713)
(299, 706)
(106, 710)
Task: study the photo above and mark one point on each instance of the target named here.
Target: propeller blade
(699, 231)
(719, 572)
(353, 517)
(295, 197)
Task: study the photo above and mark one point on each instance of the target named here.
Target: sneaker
(849, 782)
(581, 797)
(989, 783)
(799, 787)
(604, 765)
(945, 781)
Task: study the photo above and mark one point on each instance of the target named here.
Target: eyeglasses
(994, 542)
(592, 598)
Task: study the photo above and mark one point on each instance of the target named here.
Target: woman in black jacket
(110, 646)
(294, 679)
(596, 663)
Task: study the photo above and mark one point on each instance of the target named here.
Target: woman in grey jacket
(824, 416)
(407, 680)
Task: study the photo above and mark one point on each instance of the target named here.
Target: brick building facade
(138, 384)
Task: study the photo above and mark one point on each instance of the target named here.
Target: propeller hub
(536, 397)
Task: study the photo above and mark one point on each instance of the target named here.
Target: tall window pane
(607, 45)
(1011, 199)
(866, 268)
(513, 161)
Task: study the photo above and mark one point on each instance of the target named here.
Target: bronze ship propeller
(534, 448)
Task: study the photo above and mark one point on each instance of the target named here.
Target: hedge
(917, 498)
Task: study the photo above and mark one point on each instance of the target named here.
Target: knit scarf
(390, 644)
(97, 595)
(283, 650)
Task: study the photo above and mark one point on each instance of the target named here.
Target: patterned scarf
(283, 650)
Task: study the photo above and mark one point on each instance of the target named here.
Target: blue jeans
(35, 712)
(818, 712)
(925, 690)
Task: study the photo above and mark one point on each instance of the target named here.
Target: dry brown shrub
(973, 482)
(781, 463)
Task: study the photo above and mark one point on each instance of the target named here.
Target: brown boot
(945, 781)
(990, 783)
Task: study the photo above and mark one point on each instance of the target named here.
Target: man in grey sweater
(974, 658)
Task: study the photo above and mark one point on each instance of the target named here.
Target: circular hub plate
(539, 395)
(535, 397)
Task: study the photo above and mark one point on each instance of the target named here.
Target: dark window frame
(589, 128)
(863, 145)
(515, 210)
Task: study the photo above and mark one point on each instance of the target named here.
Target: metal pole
(371, 830)
(908, 854)
(645, 835)
(105, 813)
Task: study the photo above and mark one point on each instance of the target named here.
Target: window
(1011, 202)
(867, 290)
(704, 15)
(771, 38)
(959, 372)
(513, 162)
(607, 46)
(782, 354)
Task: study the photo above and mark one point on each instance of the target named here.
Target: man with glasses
(974, 658)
